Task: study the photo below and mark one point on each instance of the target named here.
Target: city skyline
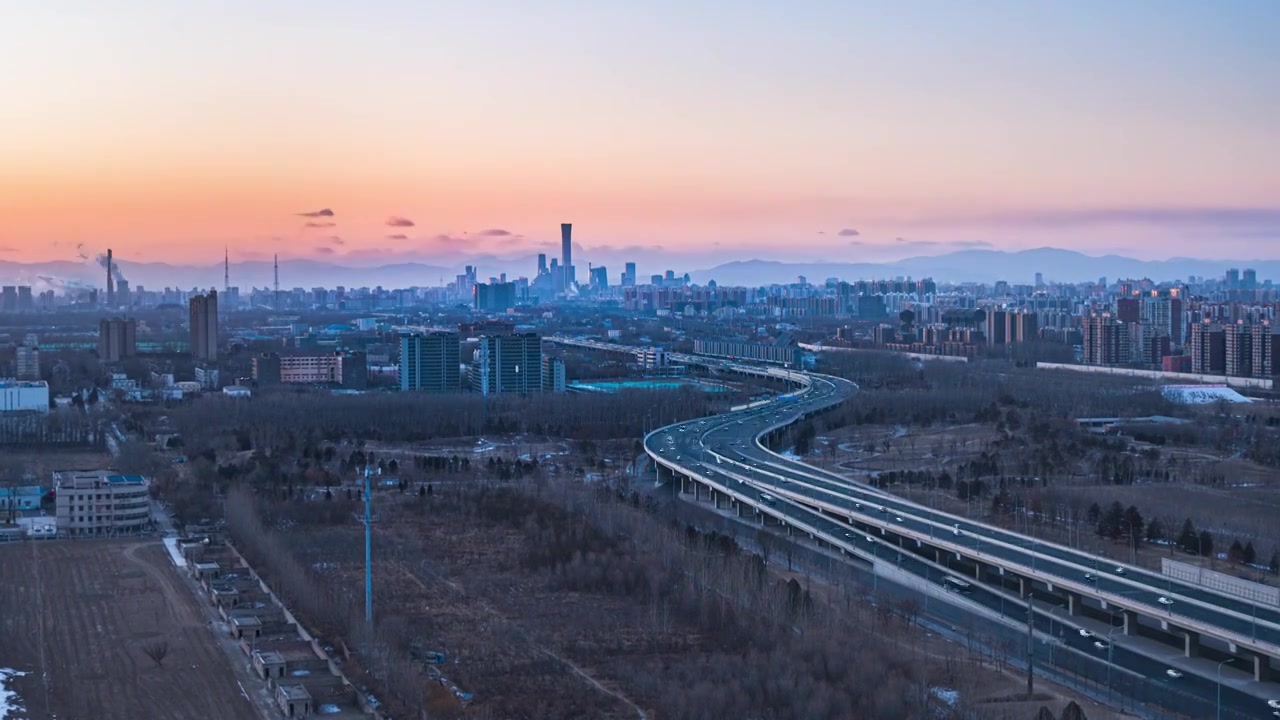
(825, 132)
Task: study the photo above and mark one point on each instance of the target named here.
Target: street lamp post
(1218, 674)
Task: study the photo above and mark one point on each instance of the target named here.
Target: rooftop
(6, 383)
(89, 479)
(294, 692)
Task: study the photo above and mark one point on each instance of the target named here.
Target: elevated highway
(722, 459)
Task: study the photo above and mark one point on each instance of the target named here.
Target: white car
(1100, 645)
(899, 519)
(870, 539)
(1119, 570)
(1274, 704)
(1164, 600)
(956, 529)
(1085, 633)
(1175, 674)
(1090, 577)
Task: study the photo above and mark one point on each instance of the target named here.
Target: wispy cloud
(336, 240)
(317, 213)
(314, 224)
(398, 236)
(322, 250)
(495, 232)
(396, 221)
(848, 232)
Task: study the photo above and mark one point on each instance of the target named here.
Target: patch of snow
(9, 701)
(1202, 394)
(946, 695)
(300, 673)
(329, 709)
(171, 544)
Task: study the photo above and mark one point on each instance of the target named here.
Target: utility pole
(368, 549)
(1031, 647)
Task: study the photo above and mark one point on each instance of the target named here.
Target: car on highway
(1085, 633)
(858, 505)
(1164, 600)
(1091, 577)
(1119, 570)
(1100, 644)
(870, 539)
(884, 509)
(1175, 674)
(1273, 704)
(956, 529)
(899, 519)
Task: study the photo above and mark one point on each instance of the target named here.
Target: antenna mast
(275, 299)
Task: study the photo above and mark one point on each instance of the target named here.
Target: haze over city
(670, 133)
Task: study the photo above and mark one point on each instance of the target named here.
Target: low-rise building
(101, 502)
(24, 395)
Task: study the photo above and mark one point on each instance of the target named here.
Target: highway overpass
(1163, 623)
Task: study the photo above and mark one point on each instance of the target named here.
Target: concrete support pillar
(1074, 603)
(1130, 622)
(1024, 586)
(977, 570)
(697, 490)
(1190, 643)
(1261, 666)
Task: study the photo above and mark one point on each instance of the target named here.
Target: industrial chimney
(111, 282)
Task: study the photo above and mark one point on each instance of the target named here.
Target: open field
(607, 611)
(79, 618)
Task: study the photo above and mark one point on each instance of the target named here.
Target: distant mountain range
(985, 266)
(967, 265)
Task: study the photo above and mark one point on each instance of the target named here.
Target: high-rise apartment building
(203, 311)
(25, 301)
(117, 339)
(997, 326)
(9, 299)
(1208, 349)
(1250, 279)
(553, 377)
(1106, 340)
(27, 363)
(508, 364)
(1248, 349)
(629, 275)
(431, 362)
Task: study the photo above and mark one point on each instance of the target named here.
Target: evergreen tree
(1250, 555)
(1188, 540)
(1206, 543)
(1155, 530)
(1236, 552)
(1133, 525)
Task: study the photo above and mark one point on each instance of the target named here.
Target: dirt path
(164, 579)
(596, 683)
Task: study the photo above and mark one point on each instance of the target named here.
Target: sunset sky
(167, 130)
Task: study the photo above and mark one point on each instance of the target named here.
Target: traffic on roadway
(725, 452)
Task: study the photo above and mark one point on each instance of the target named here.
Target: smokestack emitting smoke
(111, 282)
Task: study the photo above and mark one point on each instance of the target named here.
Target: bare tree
(157, 651)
